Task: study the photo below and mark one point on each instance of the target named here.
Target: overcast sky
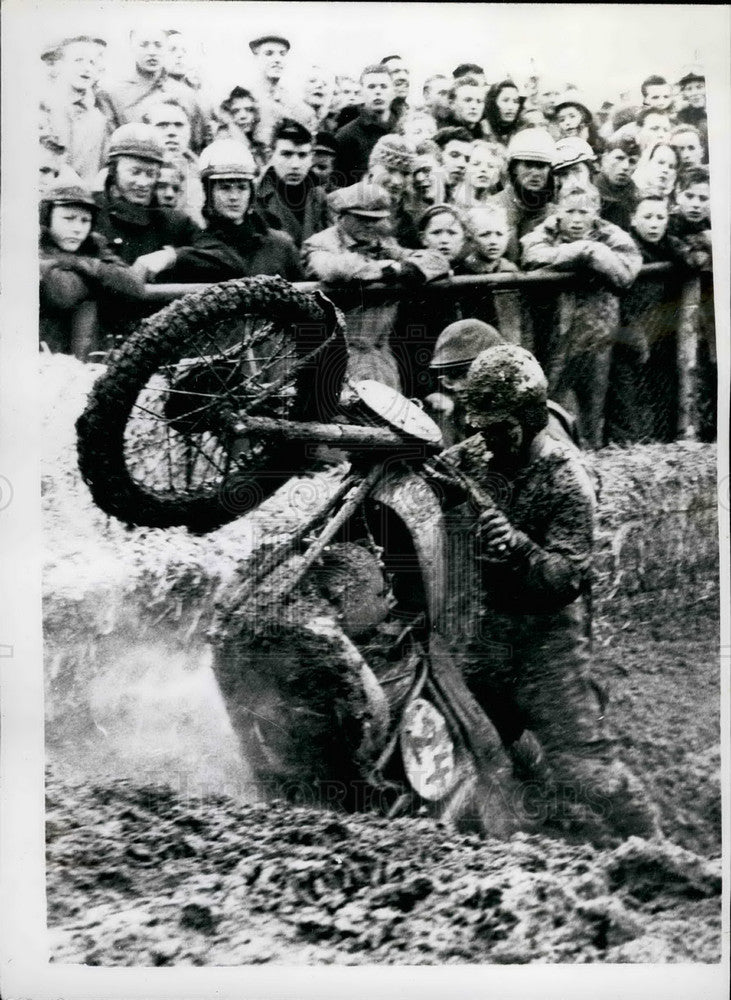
(604, 49)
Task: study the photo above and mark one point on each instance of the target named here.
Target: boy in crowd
(51, 163)
(488, 230)
(577, 239)
(642, 385)
(693, 91)
(657, 93)
(124, 101)
(614, 181)
(170, 185)
(324, 154)
(436, 98)
(288, 198)
(456, 146)
(690, 222)
(400, 76)
(68, 110)
(170, 119)
(357, 138)
(687, 142)
(359, 248)
(467, 106)
(689, 232)
(78, 271)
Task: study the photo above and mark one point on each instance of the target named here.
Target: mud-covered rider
(529, 664)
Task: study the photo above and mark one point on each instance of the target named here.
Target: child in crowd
(576, 239)
(488, 232)
(484, 174)
(641, 401)
(170, 184)
(78, 272)
(359, 248)
(689, 233)
(690, 222)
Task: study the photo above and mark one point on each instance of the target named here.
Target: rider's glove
(500, 542)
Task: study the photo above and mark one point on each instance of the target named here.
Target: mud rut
(160, 851)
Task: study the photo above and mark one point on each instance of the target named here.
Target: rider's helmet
(227, 158)
(535, 144)
(570, 151)
(459, 344)
(507, 381)
(66, 194)
(136, 139)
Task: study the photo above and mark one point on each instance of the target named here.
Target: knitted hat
(393, 151)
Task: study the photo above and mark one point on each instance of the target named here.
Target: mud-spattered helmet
(507, 381)
(459, 344)
(532, 144)
(136, 139)
(227, 158)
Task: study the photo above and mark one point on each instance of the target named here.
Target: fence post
(687, 355)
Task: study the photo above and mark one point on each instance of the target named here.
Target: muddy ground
(161, 852)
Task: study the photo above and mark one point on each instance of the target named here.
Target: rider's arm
(546, 575)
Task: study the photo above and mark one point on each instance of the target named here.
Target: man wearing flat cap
(360, 247)
(692, 86)
(69, 110)
(276, 101)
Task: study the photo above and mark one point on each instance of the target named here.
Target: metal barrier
(163, 294)
(472, 292)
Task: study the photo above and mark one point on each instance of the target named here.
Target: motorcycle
(209, 408)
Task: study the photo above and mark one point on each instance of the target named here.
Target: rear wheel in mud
(155, 442)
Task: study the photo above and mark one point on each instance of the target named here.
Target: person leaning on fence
(359, 248)
(390, 167)
(607, 261)
(236, 243)
(535, 541)
(488, 234)
(79, 274)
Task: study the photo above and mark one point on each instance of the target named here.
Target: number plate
(427, 750)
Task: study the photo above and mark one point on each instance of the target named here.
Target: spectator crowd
(359, 179)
